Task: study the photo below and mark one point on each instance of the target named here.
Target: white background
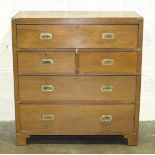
(145, 8)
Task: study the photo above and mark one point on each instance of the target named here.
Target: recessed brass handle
(108, 61)
(45, 36)
(106, 118)
(47, 61)
(108, 36)
(106, 88)
(47, 117)
(47, 88)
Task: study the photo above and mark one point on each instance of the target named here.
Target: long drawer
(76, 119)
(77, 36)
(46, 62)
(45, 88)
(107, 62)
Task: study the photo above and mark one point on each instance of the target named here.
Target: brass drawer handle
(106, 118)
(47, 88)
(45, 36)
(47, 117)
(47, 61)
(106, 88)
(108, 61)
(108, 36)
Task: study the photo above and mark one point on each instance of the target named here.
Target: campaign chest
(77, 73)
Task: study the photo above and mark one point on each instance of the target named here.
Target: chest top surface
(77, 14)
(77, 17)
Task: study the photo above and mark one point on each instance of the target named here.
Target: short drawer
(46, 62)
(46, 88)
(77, 36)
(76, 119)
(107, 62)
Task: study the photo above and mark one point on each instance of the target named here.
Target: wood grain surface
(91, 62)
(31, 62)
(77, 88)
(77, 36)
(76, 119)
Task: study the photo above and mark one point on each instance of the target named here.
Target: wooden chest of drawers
(77, 73)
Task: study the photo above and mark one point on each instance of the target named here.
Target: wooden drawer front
(46, 88)
(76, 119)
(46, 62)
(77, 36)
(108, 62)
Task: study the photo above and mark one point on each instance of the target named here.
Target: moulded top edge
(76, 14)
